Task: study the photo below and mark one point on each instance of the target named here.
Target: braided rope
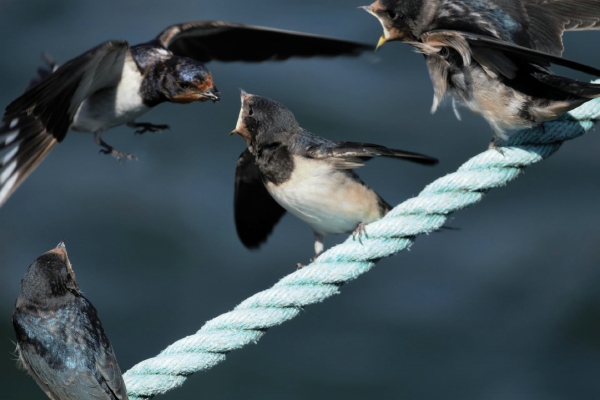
(322, 279)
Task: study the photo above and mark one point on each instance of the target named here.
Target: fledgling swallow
(60, 340)
(494, 56)
(114, 83)
(287, 168)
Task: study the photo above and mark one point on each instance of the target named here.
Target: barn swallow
(60, 340)
(287, 168)
(114, 83)
(494, 56)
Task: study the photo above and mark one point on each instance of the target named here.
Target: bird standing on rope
(493, 56)
(288, 168)
(60, 339)
(113, 84)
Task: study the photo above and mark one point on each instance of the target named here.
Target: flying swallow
(115, 83)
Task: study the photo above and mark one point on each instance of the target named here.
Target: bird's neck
(149, 58)
(275, 162)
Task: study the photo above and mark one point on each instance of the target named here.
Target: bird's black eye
(391, 14)
(250, 111)
(184, 85)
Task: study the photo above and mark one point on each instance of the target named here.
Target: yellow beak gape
(381, 42)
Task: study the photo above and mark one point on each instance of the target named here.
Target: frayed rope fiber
(322, 279)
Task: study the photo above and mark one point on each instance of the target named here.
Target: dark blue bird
(493, 56)
(60, 339)
(115, 83)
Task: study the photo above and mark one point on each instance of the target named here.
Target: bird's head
(185, 80)
(398, 19)
(49, 277)
(263, 121)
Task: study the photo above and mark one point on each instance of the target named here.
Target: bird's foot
(494, 146)
(312, 260)
(360, 232)
(116, 153)
(146, 127)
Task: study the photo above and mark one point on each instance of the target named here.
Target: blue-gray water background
(506, 308)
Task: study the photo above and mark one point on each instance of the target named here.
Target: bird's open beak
(381, 42)
(382, 39)
(368, 9)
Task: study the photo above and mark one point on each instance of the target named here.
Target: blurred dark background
(506, 308)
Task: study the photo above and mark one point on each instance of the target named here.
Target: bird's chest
(329, 200)
(112, 106)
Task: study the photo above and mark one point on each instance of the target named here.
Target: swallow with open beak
(288, 168)
(494, 56)
(115, 83)
(60, 340)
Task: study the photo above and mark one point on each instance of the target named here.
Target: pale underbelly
(102, 114)
(328, 200)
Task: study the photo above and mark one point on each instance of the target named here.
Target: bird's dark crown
(264, 121)
(50, 276)
(403, 20)
(179, 80)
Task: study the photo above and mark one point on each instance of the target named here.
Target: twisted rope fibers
(322, 279)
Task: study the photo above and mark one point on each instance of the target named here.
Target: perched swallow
(288, 168)
(493, 56)
(60, 339)
(113, 84)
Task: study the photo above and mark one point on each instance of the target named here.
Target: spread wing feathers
(503, 59)
(549, 18)
(256, 213)
(348, 155)
(24, 143)
(56, 99)
(224, 41)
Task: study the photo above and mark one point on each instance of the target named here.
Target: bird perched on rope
(288, 168)
(114, 83)
(60, 340)
(493, 56)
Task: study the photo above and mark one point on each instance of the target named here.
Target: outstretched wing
(24, 143)
(56, 99)
(225, 41)
(256, 213)
(548, 19)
